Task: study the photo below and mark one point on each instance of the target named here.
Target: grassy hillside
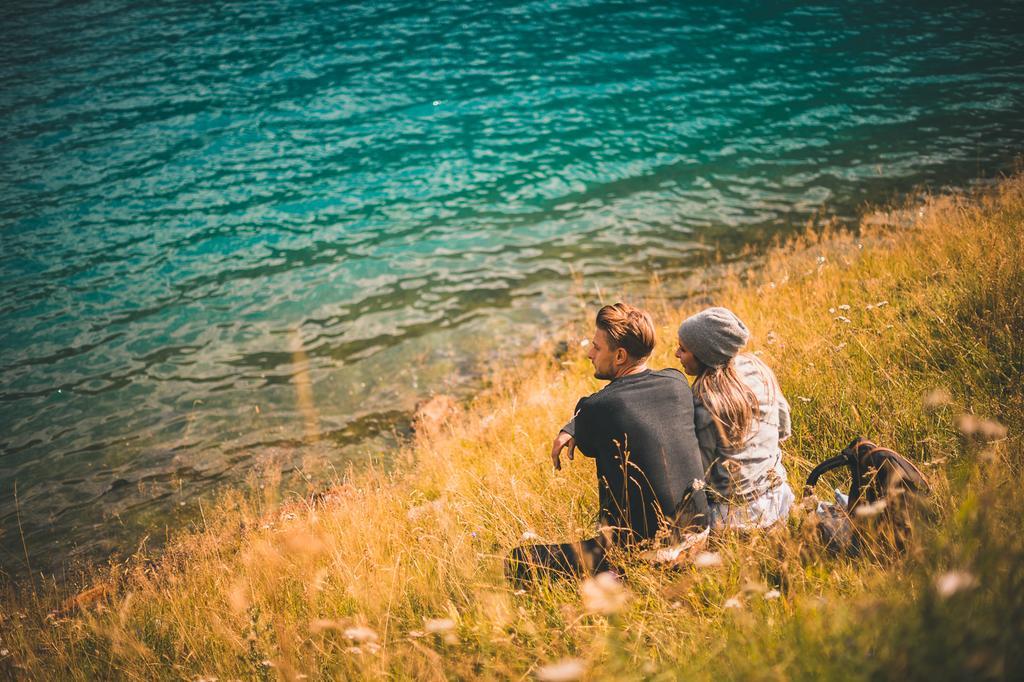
(908, 332)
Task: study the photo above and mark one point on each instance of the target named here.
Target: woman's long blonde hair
(730, 402)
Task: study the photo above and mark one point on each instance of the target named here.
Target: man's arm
(562, 441)
(567, 436)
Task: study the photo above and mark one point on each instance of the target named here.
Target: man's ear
(621, 356)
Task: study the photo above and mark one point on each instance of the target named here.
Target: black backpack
(876, 472)
(877, 475)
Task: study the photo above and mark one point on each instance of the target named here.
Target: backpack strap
(826, 466)
(848, 457)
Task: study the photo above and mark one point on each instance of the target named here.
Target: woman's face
(690, 363)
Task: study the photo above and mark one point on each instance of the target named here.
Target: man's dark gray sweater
(640, 430)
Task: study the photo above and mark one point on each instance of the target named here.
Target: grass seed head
(566, 670)
(319, 625)
(604, 594)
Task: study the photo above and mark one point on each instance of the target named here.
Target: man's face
(603, 354)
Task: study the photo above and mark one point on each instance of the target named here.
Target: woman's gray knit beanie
(714, 335)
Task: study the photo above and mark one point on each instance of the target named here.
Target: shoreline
(391, 551)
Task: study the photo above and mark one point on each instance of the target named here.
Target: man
(639, 429)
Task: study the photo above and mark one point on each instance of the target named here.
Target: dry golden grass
(893, 333)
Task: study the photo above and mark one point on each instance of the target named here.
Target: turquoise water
(405, 192)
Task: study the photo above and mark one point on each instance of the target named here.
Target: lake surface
(231, 229)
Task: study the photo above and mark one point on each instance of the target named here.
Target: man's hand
(562, 441)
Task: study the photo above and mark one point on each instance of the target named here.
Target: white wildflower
(881, 304)
(732, 603)
(438, 626)
(951, 582)
(844, 306)
(361, 634)
(772, 594)
(968, 424)
(937, 398)
(529, 536)
(866, 511)
(604, 594)
(708, 560)
(841, 318)
(803, 399)
(567, 670)
(442, 627)
(985, 430)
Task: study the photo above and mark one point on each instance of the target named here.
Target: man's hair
(629, 328)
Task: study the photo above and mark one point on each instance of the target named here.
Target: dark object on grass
(877, 472)
(569, 560)
(884, 488)
(835, 529)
